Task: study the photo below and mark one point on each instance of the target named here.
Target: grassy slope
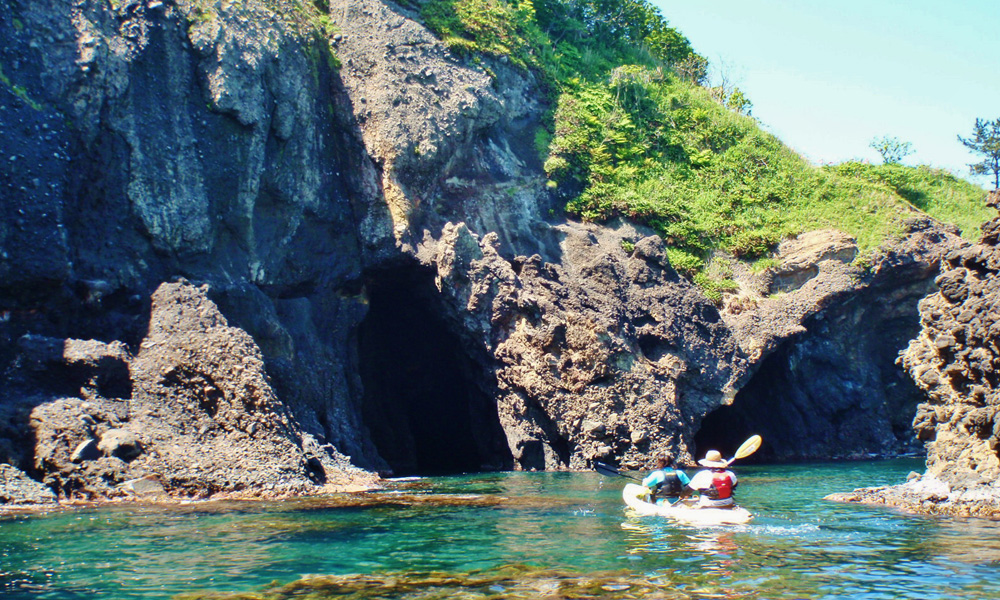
(629, 136)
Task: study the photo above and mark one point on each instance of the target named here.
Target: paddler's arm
(685, 482)
(653, 479)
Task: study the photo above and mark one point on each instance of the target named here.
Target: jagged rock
(16, 488)
(929, 494)
(953, 361)
(209, 419)
(76, 366)
(585, 355)
(823, 382)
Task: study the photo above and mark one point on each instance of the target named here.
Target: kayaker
(716, 483)
(667, 482)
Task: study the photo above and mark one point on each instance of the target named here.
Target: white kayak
(634, 496)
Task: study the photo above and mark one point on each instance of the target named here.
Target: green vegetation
(713, 288)
(20, 91)
(893, 150)
(634, 132)
(985, 140)
(934, 191)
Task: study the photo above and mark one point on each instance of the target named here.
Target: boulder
(801, 257)
(121, 443)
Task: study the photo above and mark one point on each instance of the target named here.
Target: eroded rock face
(202, 417)
(822, 334)
(954, 361)
(607, 355)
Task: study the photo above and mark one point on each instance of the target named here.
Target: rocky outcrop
(954, 361)
(310, 181)
(200, 417)
(607, 355)
(822, 332)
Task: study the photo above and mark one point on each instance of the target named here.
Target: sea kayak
(634, 496)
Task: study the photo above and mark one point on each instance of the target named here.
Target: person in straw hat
(716, 482)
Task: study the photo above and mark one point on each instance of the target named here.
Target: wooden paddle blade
(749, 447)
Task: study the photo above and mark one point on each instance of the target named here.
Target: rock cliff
(245, 252)
(954, 363)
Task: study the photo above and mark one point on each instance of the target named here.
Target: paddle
(604, 469)
(747, 448)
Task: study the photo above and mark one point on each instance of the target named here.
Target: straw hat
(713, 458)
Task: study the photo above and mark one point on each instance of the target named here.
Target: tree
(893, 151)
(985, 140)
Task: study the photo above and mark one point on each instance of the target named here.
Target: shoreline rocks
(929, 495)
(19, 491)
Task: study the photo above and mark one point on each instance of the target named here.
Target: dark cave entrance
(834, 392)
(428, 403)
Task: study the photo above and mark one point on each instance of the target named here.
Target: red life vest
(723, 485)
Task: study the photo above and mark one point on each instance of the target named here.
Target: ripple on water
(505, 535)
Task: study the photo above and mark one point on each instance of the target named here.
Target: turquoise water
(559, 529)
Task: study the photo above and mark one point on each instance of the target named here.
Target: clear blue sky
(828, 76)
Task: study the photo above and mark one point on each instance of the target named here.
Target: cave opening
(429, 402)
(834, 392)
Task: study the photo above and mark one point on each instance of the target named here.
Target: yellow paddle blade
(749, 447)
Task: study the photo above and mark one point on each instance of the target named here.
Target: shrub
(632, 133)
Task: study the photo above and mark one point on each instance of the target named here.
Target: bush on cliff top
(632, 133)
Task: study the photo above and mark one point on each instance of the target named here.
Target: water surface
(509, 535)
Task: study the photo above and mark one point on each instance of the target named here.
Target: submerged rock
(511, 582)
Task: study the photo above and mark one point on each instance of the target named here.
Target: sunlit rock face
(823, 334)
(956, 361)
(192, 410)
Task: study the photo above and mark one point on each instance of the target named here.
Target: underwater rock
(511, 582)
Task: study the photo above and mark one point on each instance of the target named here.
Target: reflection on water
(507, 535)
